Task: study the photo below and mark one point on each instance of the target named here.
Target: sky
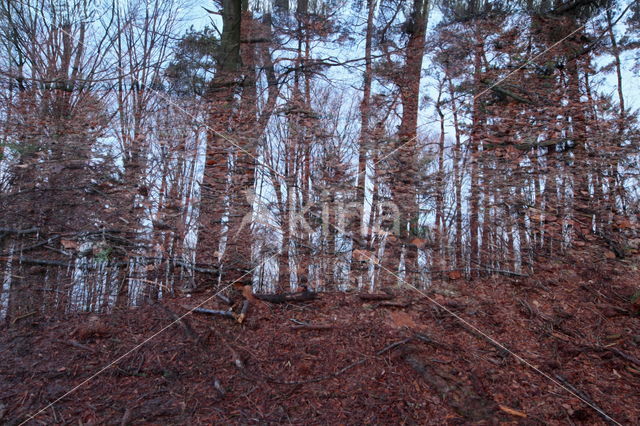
(198, 17)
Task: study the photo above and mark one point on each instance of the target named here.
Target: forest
(319, 211)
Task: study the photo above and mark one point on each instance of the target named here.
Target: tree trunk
(404, 186)
(220, 97)
(360, 237)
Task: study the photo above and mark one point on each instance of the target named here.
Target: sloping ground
(341, 360)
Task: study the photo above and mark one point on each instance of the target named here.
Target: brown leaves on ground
(573, 322)
(401, 319)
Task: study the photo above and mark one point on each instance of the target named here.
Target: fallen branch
(483, 269)
(18, 318)
(393, 345)
(486, 268)
(429, 340)
(301, 325)
(513, 412)
(195, 267)
(126, 417)
(616, 351)
(626, 356)
(586, 399)
(505, 272)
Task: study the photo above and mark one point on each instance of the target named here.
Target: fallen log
(228, 314)
(302, 296)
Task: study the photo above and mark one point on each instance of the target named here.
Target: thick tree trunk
(221, 123)
(404, 186)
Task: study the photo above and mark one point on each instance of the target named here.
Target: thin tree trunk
(360, 237)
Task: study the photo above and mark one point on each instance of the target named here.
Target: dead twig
(18, 318)
(626, 356)
(77, 344)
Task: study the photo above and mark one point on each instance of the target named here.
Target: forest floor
(339, 359)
